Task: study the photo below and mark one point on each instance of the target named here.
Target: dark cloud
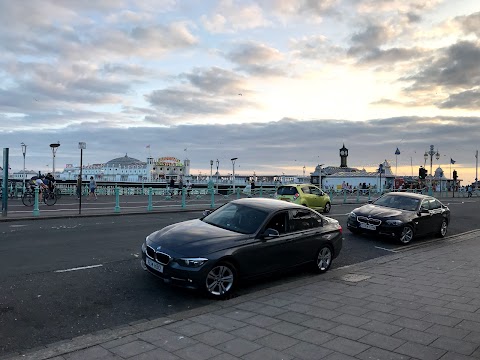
(456, 67)
(371, 38)
(467, 99)
(267, 148)
(470, 23)
(257, 59)
(207, 91)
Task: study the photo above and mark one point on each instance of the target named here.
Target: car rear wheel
(443, 229)
(324, 258)
(407, 235)
(221, 280)
(327, 208)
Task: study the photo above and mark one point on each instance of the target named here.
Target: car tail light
(340, 229)
(296, 196)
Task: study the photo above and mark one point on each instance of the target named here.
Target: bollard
(261, 190)
(183, 197)
(331, 195)
(36, 210)
(212, 199)
(117, 199)
(369, 194)
(430, 191)
(344, 196)
(358, 196)
(150, 191)
(238, 193)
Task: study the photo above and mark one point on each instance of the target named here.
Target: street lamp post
(476, 172)
(397, 152)
(54, 148)
(24, 152)
(233, 176)
(211, 169)
(217, 163)
(425, 156)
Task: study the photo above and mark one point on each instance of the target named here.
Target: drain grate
(354, 277)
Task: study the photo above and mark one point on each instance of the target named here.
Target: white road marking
(79, 268)
(15, 226)
(381, 248)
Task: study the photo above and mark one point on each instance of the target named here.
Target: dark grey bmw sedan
(243, 239)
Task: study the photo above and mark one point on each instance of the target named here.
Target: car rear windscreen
(287, 190)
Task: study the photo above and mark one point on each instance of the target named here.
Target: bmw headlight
(352, 215)
(144, 245)
(191, 262)
(394, 222)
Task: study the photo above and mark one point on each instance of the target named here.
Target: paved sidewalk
(417, 304)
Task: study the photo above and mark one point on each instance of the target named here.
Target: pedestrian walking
(469, 189)
(180, 186)
(172, 185)
(79, 186)
(92, 186)
(252, 187)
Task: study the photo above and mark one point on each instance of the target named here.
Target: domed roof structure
(124, 161)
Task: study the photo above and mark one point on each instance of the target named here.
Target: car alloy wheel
(407, 234)
(220, 280)
(323, 259)
(443, 229)
(327, 208)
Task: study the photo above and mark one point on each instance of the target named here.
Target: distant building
(337, 177)
(128, 169)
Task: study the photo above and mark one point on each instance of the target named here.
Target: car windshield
(287, 190)
(398, 202)
(237, 217)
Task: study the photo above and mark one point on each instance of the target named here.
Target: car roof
(409, 195)
(296, 185)
(269, 205)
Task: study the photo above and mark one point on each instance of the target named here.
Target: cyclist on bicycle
(51, 182)
(39, 183)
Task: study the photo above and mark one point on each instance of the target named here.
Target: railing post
(212, 199)
(344, 196)
(117, 199)
(358, 195)
(369, 194)
(261, 190)
(36, 210)
(238, 193)
(183, 197)
(331, 195)
(150, 207)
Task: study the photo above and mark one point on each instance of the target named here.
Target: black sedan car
(402, 216)
(242, 239)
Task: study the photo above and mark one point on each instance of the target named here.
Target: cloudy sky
(280, 84)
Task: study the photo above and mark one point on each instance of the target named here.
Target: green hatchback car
(306, 195)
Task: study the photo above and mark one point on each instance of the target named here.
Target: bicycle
(28, 199)
(49, 197)
(58, 193)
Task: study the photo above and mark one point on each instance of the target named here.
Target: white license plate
(367, 226)
(154, 265)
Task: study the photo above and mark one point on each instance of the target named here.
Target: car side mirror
(424, 211)
(370, 201)
(270, 233)
(206, 212)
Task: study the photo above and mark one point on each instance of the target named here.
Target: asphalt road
(41, 303)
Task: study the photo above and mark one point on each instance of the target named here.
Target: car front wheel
(323, 260)
(407, 234)
(443, 229)
(221, 280)
(327, 208)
